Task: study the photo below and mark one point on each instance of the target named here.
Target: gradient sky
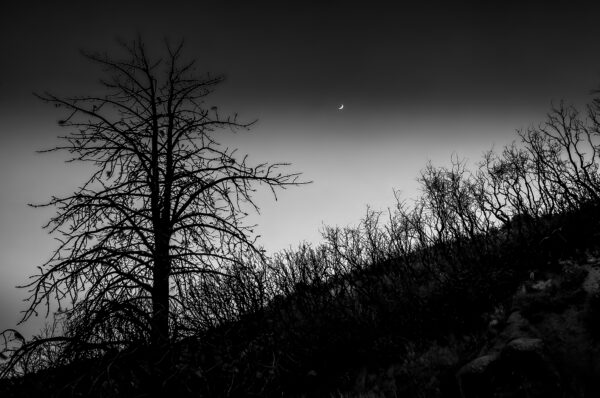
(417, 84)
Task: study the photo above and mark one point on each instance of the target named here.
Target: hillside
(484, 286)
(536, 336)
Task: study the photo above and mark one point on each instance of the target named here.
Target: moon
(341, 107)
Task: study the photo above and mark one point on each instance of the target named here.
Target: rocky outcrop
(516, 364)
(543, 348)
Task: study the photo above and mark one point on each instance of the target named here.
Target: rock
(478, 365)
(541, 285)
(592, 281)
(474, 378)
(515, 364)
(524, 344)
(521, 369)
(516, 327)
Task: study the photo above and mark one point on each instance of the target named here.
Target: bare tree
(164, 208)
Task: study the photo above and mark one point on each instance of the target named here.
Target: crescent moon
(341, 107)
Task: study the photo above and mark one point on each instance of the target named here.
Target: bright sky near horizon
(417, 84)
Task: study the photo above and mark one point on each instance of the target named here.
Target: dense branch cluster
(163, 215)
(529, 196)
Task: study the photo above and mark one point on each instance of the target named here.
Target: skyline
(417, 84)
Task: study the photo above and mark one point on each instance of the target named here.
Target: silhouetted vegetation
(391, 306)
(148, 242)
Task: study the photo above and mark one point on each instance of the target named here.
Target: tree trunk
(160, 298)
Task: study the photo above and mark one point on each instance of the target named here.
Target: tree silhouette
(164, 207)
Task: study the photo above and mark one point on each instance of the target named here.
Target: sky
(418, 84)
